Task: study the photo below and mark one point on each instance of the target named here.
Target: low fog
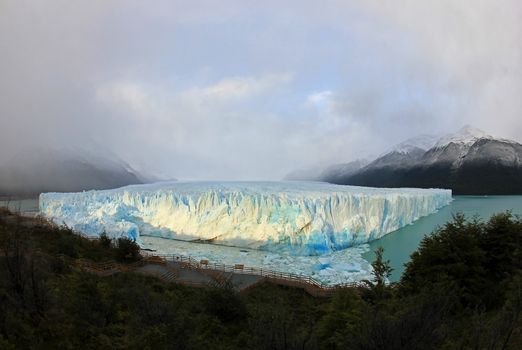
(252, 90)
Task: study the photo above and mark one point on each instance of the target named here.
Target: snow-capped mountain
(63, 170)
(468, 162)
(422, 142)
(402, 154)
(471, 145)
(467, 136)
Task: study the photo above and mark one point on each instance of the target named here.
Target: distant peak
(467, 135)
(470, 130)
(424, 142)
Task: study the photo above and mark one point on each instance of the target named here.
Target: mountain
(31, 173)
(308, 174)
(336, 172)
(423, 142)
(405, 152)
(468, 162)
(402, 154)
(332, 173)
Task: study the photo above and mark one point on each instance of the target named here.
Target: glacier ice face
(305, 218)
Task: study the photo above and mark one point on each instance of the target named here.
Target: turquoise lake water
(399, 245)
(27, 206)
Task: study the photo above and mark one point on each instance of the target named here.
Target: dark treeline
(462, 289)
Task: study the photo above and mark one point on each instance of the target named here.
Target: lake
(26, 206)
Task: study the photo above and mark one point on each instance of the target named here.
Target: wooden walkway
(188, 271)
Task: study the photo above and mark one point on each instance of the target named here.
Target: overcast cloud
(252, 90)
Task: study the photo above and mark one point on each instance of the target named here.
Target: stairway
(220, 279)
(169, 276)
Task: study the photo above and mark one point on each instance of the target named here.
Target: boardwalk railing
(111, 265)
(278, 277)
(107, 268)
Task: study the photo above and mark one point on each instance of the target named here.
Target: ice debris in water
(339, 267)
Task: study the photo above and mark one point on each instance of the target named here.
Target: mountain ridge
(64, 170)
(469, 161)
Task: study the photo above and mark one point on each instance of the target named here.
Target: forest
(462, 289)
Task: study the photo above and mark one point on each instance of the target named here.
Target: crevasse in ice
(303, 218)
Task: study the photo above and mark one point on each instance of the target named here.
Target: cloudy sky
(253, 89)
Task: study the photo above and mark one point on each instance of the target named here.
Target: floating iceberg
(304, 218)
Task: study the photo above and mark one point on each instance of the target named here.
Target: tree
(127, 250)
(105, 241)
(451, 259)
(377, 289)
(341, 326)
(381, 269)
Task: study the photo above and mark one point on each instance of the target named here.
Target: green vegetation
(462, 289)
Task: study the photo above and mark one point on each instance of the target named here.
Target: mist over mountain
(64, 170)
(468, 162)
(338, 171)
(333, 172)
(308, 174)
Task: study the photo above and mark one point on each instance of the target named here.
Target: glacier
(303, 218)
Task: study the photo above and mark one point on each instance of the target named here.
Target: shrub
(127, 250)
(105, 241)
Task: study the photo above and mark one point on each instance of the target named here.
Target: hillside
(467, 162)
(28, 174)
